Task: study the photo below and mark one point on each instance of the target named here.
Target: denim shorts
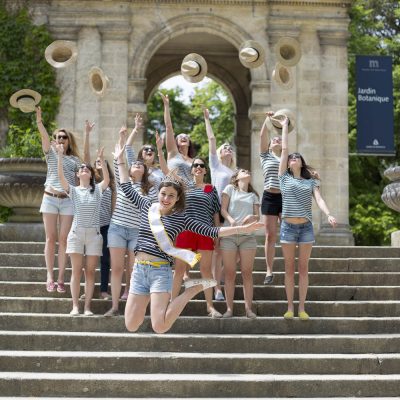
(297, 233)
(54, 205)
(238, 242)
(148, 279)
(86, 241)
(122, 237)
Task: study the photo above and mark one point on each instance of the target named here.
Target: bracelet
(121, 163)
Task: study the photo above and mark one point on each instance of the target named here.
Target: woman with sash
(160, 223)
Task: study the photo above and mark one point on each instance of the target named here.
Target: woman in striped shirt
(271, 206)
(202, 204)
(84, 243)
(298, 185)
(152, 273)
(56, 206)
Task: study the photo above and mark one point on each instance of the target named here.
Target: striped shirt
(297, 196)
(220, 174)
(106, 207)
(202, 204)
(174, 224)
(270, 168)
(70, 168)
(86, 206)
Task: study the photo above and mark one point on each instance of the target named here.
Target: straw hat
(194, 68)
(251, 54)
(61, 53)
(25, 99)
(283, 76)
(98, 81)
(279, 116)
(288, 51)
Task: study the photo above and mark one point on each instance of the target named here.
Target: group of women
(147, 216)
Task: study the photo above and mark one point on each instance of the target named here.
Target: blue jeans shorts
(297, 233)
(122, 237)
(148, 279)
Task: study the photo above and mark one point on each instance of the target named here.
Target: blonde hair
(72, 149)
(232, 165)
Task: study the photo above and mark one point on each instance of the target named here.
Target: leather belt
(59, 196)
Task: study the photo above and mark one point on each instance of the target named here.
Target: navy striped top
(270, 168)
(202, 204)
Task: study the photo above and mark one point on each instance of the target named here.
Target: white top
(270, 166)
(220, 174)
(297, 196)
(183, 168)
(241, 204)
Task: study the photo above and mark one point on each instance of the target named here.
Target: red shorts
(194, 241)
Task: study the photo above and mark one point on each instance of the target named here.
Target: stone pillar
(136, 104)
(334, 133)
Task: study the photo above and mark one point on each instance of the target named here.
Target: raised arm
(172, 148)
(106, 177)
(86, 142)
(42, 130)
(285, 149)
(120, 162)
(61, 176)
(160, 153)
(323, 207)
(264, 133)
(135, 130)
(212, 146)
(121, 144)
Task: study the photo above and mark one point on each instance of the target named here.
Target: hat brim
(202, 64)
(288, 51)
(283, 76)
(260, 50)
(25, 93)
(98, 81)
(279, 116)
(61, 53)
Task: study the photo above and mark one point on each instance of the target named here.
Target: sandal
(111, 313)
(51, 286)
(214, 314)
(228, 314)
(250, 314)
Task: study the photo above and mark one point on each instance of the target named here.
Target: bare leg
(117, 269)
(229, 259)
(65, 227)
(205, 270)
(179, 272)
(128, 273)
(135, 311)
(289, 255)
(271, 224)
(217, 266)
(304, 256)
(246, 265)
(77, 265)
(50, 227)
(91, 264)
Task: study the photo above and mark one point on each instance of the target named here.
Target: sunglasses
(137, 164)
(64, 137)
(83, 166)
(98, 161)
(148, 149)
(227, 147)
(195, 165)
(295, 157)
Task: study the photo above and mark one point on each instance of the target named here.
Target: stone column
(334, 130)
(136, 104)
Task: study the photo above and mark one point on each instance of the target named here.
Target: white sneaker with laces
(206, 283)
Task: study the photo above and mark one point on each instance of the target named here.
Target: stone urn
(391, 197)
(21, 187)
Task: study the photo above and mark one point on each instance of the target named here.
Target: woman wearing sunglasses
(202, 204)
(222, 167)
(56, 207)
(299, 184)
(84, 243)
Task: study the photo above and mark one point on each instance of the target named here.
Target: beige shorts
(86, 241)
(238, 242)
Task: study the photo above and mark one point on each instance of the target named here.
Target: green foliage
(375, 30)
(5, 213)
(22, 65)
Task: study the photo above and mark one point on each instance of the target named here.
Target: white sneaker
(206, 283)
(74, 312)
(219, 296)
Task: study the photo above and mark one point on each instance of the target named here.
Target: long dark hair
(234, 182)
(306, 171)
(145, 183)
(92, 177)
(174, 181)
(191, 150)
(140, 155)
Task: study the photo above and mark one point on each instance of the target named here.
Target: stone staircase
(349, 348)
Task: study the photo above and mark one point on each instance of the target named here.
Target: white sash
(163, 240)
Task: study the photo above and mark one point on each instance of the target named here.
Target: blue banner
(374, 87)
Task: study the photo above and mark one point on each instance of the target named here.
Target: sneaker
(105, 296)
(228, 314)
(112, 313)
(250, 314)
(61, 287)
(51, 286)
(288, 315)
(88, 313)
(268, 279)
(206, 283)
(74, 312)
(303, 316)
(83, 297)
(214, 314)
(219, 296)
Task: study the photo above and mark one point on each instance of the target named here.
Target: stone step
(204, 343)
(261, 292)
(198, 307)
(316, 264)
(28, 274)
(156, 362)
(158, 385)
(238, 325)
(317, 251)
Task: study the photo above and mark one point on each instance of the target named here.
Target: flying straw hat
(98, 81)
(25, 99)
(61, 53)
(194, 68)
(283, 76)
(279, 116)
(288, 51)
(251, 54)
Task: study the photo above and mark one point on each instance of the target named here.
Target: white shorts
(55, 205)
(86, 241)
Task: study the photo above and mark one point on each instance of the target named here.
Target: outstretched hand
(159, 141)
(332, 221)
(100, 153)
(138, 121)
(118, 151)
(165, 99)
(89, 126)
(253, 226)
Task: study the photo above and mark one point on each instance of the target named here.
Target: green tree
(374, 29)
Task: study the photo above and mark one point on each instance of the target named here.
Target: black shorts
(271, 203)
